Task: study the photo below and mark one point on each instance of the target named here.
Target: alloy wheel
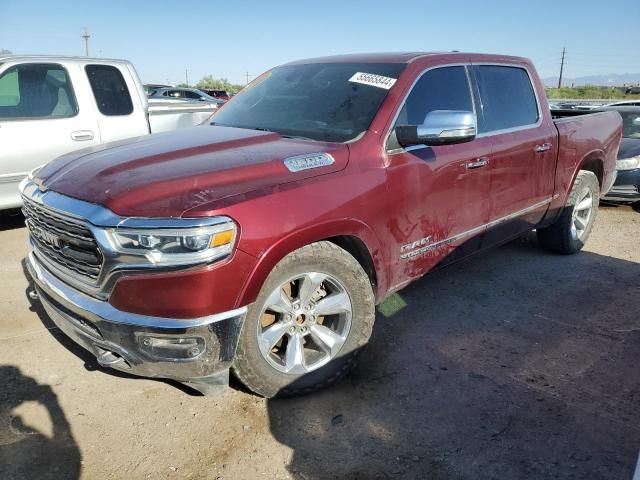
(304, 323)
(582, 213)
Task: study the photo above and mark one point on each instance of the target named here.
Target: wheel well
(360, 252)
(594, 165)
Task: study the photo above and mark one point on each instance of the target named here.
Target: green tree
(587, 91)
(210, 83)
(5, 52)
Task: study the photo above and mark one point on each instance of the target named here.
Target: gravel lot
(516, 364)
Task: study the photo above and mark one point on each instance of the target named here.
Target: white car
(50, 106)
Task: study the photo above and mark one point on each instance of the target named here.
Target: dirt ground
(515, 364)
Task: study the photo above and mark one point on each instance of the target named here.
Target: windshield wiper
(262, 129)
(298, 137)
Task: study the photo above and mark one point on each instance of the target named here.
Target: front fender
(299, 238)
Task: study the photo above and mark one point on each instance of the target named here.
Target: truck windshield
(333, 102)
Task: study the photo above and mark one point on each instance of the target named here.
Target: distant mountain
(602, 80)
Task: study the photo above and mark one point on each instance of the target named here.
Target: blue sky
(227, 39)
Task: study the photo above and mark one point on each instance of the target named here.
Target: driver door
(438, 195)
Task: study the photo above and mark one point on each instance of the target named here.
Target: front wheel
(572, 228)
(312, 317)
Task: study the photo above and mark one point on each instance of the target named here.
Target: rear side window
(508, 98)
(109, 89)
(190, 94)
(36, 90)
(445, 88)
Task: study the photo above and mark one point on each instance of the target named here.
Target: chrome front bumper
(197, 352)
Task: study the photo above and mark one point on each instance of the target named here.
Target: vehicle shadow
(515, 364)
(11, 219)
(25, 451)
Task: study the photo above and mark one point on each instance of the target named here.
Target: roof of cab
(405, 57)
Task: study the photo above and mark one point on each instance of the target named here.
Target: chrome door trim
(535, 94)
(473, 98)
(475, 230)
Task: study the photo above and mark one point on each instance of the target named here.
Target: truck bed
(585, 135)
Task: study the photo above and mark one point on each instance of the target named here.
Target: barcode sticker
(373, 80)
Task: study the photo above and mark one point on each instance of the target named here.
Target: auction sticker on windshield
(374, 80)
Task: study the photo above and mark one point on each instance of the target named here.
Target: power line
(561, 68)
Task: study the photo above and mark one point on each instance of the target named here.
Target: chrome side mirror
(440, 127)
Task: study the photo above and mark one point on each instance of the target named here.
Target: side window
(109, 89)
(36, 90)
(445, 88)
(190, 94)
(508, 98)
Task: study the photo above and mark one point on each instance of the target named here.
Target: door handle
(479, 163)
(82, 135)
(543, 148)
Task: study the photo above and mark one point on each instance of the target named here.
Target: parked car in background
(220, 94)
(626, 188)
(624, 103)
(150, 87)
(262, 243)
(189, 94)
(50, 106)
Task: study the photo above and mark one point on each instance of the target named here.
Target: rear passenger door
(523, 153)
(118, 115)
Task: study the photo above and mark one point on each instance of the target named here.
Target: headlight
(628, 163)
(176, 246)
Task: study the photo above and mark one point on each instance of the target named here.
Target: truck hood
(169, 173)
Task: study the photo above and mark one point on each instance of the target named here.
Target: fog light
(172, 348)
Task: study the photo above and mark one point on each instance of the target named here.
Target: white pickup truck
(50, 106)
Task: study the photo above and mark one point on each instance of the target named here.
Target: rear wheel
(572, 228)
(313, 315)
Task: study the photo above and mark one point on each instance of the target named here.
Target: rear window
(36, 90)
(110, 90)
(508, 98)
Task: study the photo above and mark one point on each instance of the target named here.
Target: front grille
(63, 241)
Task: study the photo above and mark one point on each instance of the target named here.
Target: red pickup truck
(262, 242)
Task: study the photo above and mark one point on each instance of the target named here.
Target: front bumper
(197, 352)
(626, 188)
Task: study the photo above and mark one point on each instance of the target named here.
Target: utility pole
(247, 79)
(86, 41)
(186, 76)
(561, 69)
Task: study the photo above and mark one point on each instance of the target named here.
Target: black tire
(251, 367)
(559, 237)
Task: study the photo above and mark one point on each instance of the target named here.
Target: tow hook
(33, 295)
(110, 359)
